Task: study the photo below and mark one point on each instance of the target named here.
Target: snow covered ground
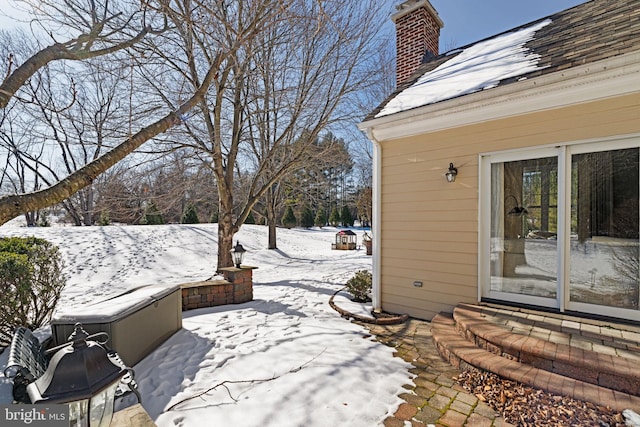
(284, 359)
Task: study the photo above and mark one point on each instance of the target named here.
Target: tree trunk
(30, 217)
(225, 244)
(226, 230)
(87, 213)
(271, 221)
(272, 234)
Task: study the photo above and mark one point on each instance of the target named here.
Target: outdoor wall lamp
(451, 173)
(237, 253)
(517, 210)
(81, 374)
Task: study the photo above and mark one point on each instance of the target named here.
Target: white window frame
(564, 153)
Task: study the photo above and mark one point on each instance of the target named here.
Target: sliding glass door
(523, 243)
(604, 230)
(560, 228)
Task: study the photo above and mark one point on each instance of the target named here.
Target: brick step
(462, 353)
(619, 339)
(514, 340)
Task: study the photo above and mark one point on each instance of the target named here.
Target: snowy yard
(284, 359)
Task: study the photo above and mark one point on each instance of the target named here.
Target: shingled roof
(587, 33)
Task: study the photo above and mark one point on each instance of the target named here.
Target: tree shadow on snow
(317, 286)
(163, 373)
(259, 305)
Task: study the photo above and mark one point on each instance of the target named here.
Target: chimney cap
(409, 6)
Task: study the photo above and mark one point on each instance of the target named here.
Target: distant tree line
(322, 193)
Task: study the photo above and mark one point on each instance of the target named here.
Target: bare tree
(105, 30)
(271, 98)
(263, 78)
(97, 28)
(75, 126)
(17, 174)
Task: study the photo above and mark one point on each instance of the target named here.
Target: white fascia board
(608, 78)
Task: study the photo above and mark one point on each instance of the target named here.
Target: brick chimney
(417, 35)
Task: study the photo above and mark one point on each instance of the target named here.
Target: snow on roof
(477, 67)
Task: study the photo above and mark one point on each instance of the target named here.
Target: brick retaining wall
(236, 288)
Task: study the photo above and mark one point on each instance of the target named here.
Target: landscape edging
(385, 320)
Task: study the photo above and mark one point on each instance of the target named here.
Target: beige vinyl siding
(429, 227)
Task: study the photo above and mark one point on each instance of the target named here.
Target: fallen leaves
(525, 406)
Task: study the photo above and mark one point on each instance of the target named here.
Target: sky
(468, 21)
(465, 21)
(285, 359)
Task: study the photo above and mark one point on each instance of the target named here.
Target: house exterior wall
(429, 227)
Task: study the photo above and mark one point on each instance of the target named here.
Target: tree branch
(71, 50)
(14, 205)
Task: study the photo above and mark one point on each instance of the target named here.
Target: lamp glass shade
(451, 173)
(237, 253)
(79, 413)
(101, 407)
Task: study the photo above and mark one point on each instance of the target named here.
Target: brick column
(242, 280)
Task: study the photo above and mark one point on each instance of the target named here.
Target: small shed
(346, 240)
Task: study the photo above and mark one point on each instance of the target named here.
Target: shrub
(152, 215)
(289, 219)
(306, 219)
(334, 217)
(43, 219)
(104, 219)
(345, 217)
(190, 215)
(360, 286)
(31, 281)
(320, 219)
(250, 218)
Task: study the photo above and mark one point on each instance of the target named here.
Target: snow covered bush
(31, 281)
(360, 286)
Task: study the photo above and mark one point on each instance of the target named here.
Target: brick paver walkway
(433, 398)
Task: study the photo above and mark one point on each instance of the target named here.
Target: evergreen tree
(306, 220)
(104, 218)
(321, 218)
(345, 217)
(190, 215)
(152, 216)
(334, 218)
(214, 218)
(289, 219)
(250, 219)
(43, 219)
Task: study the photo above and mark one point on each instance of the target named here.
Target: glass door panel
(524, 217)
(604, 245)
